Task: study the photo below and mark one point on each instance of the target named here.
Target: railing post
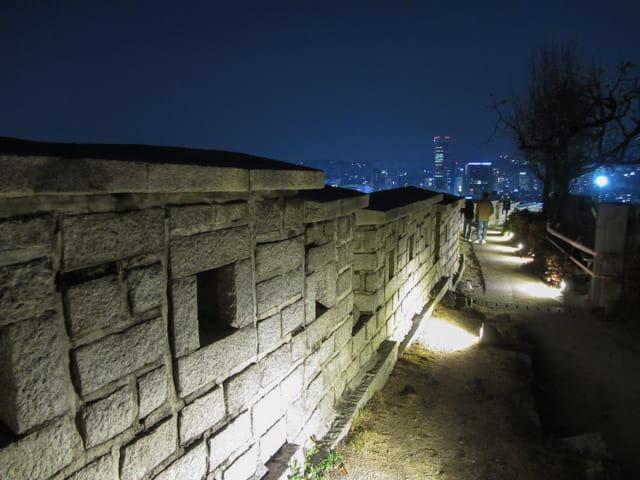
(611, 234)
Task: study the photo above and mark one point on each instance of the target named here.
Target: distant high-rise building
(441, 167)
(480, 178)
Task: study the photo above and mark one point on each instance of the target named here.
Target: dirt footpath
(499, 412)
(459, 415)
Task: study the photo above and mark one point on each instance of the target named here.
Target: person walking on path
(468, 213)
(484, 210)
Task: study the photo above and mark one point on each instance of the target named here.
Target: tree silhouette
(572, 119)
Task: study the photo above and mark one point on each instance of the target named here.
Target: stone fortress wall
(173, 313)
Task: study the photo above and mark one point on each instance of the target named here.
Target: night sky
(369, 81)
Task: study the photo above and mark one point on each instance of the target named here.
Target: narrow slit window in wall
(392, 263)
(216, 304)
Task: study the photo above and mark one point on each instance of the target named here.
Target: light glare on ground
(441, 336)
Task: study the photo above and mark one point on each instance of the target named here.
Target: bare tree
(572, 120)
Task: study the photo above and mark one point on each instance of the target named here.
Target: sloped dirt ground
(465, 415)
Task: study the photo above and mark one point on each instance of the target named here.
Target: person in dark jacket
(468, 212)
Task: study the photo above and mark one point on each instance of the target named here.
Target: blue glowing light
(602, 181)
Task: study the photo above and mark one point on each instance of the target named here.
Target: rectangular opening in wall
(410, 241)
(320, 309)
(391, 262)
(216, 304)
(363, 319)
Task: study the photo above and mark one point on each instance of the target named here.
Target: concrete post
(611, 233)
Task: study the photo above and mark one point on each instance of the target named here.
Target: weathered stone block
(271, 441)
(283, 255)
(275, 291)
(26, 290)
(318, 256)
(321, 285)
(184, 324)
(34, 385)
(243, 294)
(104, 468)
(191, 466)
(368, 302)
(214, 362)
(33, 455)
(228, 214)
(95, 304)
(317, 234)
(298, 346)
(315, 391)
(373, 281)
(292, 317)
(291, 387)
(275, 364)
(344, 227)
(202, 414)
(152, 391)
(269, 332)
(191, 219)
(269, 215)
(320, 328)
(144, 453)
(242, 388)
(267, 411)
(105, 237)
(244, 467)
(106, 418)
(344, 282)
(224, 443)
(293, 214)
(117, 355)
(20, 233)
(205, 251)
(367, 261)
(146, 288)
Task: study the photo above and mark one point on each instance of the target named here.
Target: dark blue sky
(296, 81)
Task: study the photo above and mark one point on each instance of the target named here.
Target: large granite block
(267, 411)
(275, 291)
(292, 317)
(225, 442)
(184, 324)
(146, 288)
(214, 362)
(30, 232)
(119, 354)
(104, 468)
(41, 454)
(275, 365)
(269, 332)
(106, 418)
(95, 304)
(152, 391)
(318, 256)
(140, 456)
(244, 467)
(242, 388)
(191, 466)
(26, 290)
(34, 378)
(203, 413)
(282, 255)
(191, 219)
(210, 250)
(105, 237)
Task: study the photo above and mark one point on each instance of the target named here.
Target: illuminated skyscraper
(442, 174)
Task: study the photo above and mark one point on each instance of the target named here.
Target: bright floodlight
(602, 181)
(444, 337)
